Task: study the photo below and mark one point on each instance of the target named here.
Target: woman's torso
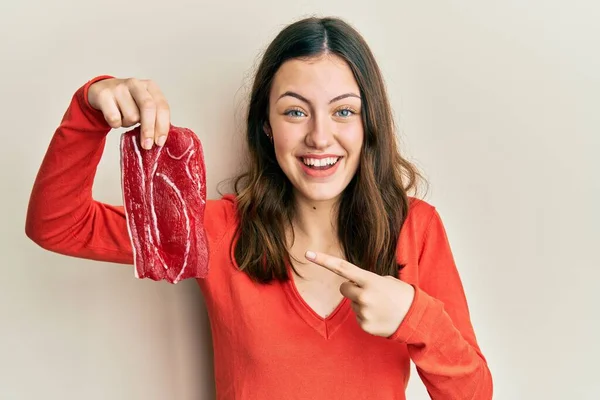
(270, 343)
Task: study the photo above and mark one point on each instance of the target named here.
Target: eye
(345, 112)
(295, 113)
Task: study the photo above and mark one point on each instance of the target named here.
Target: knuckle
(367, 324)
(366, 315)
(131, 119)
(163, 106)
(131, 82)
(115, 125)
(121, 89)
(113, 120)
(104, 92)
(147, 105)
(362, 298)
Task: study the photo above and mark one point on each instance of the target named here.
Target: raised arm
(62, 215)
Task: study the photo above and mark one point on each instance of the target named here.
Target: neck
(315, 222)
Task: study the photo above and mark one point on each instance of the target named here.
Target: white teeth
(320, 162)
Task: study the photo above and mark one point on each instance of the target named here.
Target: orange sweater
(268, 343)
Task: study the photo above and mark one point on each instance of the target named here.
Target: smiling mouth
(320, 164)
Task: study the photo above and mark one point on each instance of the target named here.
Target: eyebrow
(304, 99)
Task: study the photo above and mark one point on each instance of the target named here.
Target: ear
(267, 129)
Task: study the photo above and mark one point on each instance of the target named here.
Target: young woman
(325, 278)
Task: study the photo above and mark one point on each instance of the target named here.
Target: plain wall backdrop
(497, 102)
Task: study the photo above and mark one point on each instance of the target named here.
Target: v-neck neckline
(325, 326)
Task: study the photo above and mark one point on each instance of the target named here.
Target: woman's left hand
(379, 303)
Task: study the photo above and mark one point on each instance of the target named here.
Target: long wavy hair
(374, 205)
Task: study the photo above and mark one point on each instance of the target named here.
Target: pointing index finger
(341, 267)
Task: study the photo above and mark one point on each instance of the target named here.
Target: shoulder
(222, 209)
(421, 216)
(220, 215)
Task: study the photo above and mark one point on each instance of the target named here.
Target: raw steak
(164, 196)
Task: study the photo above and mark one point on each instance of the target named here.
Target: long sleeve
(437, 328)
(62, 216)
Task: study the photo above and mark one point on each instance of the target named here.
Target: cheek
(284, 149)
(283, 142)
(351, 137)
(286, 137)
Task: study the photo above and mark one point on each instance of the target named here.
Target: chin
(325, 193)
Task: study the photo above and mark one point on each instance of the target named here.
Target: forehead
(325, 76)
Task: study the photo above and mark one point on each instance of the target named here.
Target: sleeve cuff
(419, 322)
(95, 117)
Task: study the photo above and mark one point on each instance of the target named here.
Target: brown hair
(374, 205)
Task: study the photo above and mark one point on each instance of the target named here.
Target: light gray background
(496, 101)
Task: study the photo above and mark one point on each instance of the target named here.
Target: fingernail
(310, 255)
(147, 143)
(161, 140)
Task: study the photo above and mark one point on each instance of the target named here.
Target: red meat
(164, 194)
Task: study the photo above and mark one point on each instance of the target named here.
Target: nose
(320, 135)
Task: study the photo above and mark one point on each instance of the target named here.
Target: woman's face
(315, 122)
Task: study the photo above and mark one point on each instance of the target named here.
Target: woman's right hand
(125, 102)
